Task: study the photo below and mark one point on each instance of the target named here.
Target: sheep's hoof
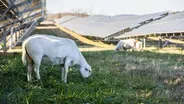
(38, 81)
(65, 81)
(29, 80)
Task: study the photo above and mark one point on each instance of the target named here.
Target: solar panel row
(104, 26)
(169, 24)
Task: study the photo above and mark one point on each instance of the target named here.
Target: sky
(114, 7)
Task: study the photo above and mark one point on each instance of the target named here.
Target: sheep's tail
(24, 61)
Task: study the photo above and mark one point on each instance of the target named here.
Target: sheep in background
(52, 50)
(129, 44)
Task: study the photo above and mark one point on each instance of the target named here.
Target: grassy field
(123, 77)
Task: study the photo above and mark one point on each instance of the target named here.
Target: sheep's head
(118, 46)
(116, 49)
(85, 70)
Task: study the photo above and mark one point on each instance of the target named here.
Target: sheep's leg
(67, 63)
(37, 63)
(133, 48)
(37, 69)
(29, 68)
(62, 73)
(29, 72)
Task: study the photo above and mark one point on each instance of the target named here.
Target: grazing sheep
(128, 44)
(52, 50)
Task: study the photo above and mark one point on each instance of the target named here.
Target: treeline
(60, 15)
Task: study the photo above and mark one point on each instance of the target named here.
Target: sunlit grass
(123, 77)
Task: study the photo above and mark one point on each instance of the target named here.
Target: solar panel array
(65, 19)
(103, 26)
(169, 24)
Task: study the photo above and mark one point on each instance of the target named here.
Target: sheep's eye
(86, 69)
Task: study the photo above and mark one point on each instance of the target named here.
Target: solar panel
(103, 26)
(65, 19)
(169, 24)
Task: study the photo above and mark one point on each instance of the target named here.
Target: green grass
(45, 31)
(123, 77)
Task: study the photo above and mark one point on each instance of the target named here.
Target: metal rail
(18, 33)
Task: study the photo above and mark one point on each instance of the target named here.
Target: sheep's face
(118, 46)
(85, 71)
(116, 49)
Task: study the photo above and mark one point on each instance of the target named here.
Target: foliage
(123, 77)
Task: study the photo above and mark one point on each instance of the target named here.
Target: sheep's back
(54, 48)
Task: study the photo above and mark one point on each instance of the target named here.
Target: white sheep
(52, 50)
(128, 44)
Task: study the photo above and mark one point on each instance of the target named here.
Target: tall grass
(123, 77)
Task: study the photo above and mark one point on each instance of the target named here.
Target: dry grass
(171, 50)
